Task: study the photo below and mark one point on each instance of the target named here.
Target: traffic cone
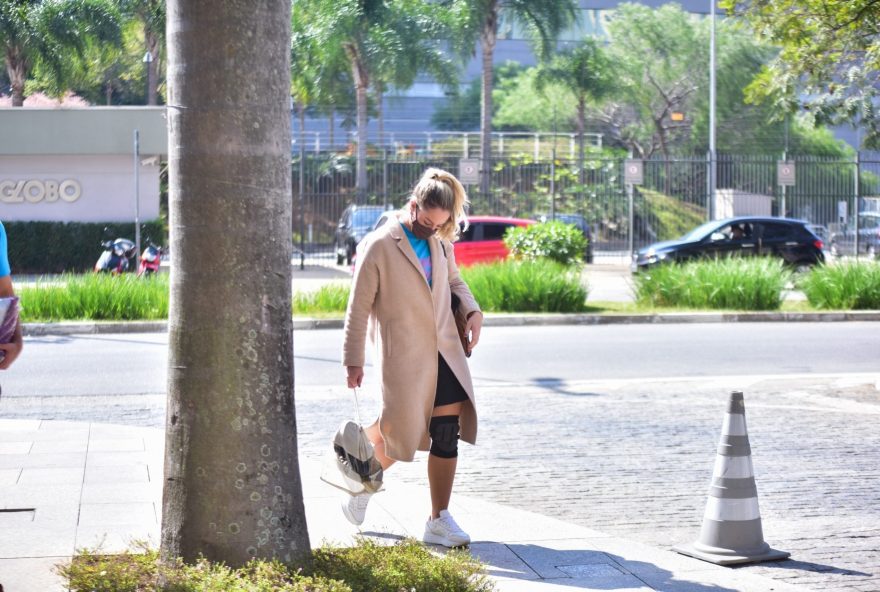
(731, 531)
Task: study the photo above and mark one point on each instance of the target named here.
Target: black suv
(355, 222)
(790, 240)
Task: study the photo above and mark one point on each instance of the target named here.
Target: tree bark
(152, 67)
(488, 37)
(16, 69)
(232, 488)
(361, 85)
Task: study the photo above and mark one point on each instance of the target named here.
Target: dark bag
(461, 324)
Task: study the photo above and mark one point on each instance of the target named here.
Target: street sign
(469, 171)
(633, 172)
(784, 172)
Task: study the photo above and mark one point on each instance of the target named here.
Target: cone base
(730, 558)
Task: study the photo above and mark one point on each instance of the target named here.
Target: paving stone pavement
(634, 459)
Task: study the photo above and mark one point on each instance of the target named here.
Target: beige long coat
(408, 323)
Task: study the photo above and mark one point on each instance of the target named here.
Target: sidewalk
(65, 485)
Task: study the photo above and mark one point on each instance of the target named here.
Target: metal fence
(673, 198)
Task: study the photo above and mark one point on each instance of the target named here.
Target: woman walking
(401, 293)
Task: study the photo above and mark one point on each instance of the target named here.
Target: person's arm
(470, 306)
(364, 286)
(12, 349)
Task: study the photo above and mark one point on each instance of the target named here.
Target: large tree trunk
(488, 36)
(232, 485)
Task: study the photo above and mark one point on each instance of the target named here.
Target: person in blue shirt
(12, 349)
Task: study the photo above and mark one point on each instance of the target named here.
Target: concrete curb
(492, 320)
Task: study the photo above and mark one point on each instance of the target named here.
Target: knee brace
(444, 436)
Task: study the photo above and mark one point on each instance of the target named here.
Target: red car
(482, 241)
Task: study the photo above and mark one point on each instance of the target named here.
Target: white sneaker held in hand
(355, 507)
(443, 530)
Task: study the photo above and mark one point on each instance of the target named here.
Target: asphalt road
(135, 364)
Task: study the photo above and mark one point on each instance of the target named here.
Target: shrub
(557, 241)
(408, 565)
(327, 298)
(853, 285)
(56, 247)
(366, 567)
(97, 297)
(526, 286)
(735, 283)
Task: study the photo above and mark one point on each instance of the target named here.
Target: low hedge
(56, 247)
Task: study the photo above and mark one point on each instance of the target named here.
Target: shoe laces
(448, 523)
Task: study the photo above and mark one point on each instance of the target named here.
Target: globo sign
(39, 190)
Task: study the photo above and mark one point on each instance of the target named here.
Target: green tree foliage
(829, 63)
(519, 105)
(461, 112)
(478, 20)
(52, 35)
(386, 43)
(660, 60)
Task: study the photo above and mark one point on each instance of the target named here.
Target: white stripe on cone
(734, 425)
(732, 509)
(733, 467)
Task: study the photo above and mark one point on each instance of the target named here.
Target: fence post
(858, 191)
(384, 178)
(537, 146)
(302, 204)
(709, 204)
(465, 145)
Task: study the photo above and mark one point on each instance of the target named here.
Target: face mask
(420, 230)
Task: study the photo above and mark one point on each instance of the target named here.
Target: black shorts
(449, 390)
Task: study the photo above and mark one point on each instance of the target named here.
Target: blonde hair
(440, 189)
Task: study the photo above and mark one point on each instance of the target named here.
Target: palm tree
(232, 480)
(46, 32)
(392, 40)
(479, 19)
(151, 15)
(585, 70)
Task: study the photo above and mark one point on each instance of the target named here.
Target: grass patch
(366, 567)
(96, 297)
(526, 286)
(733, 284)
(851, 285)
(330, 298)
(670, 217)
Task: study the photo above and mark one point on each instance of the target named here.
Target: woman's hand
(355, 376)
(12, 349)
(474, 324)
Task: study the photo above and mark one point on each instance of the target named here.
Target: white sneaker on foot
(443, 530)
(355, 507)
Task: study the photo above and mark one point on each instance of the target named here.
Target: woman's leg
(441, 471)
(375, 437)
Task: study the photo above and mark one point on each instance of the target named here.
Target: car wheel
(349, 254)
(871, 251)
(835, 252)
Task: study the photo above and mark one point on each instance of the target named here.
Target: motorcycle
(117, 256)
(151, 258)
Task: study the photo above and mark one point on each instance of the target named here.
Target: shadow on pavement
(558, 385)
